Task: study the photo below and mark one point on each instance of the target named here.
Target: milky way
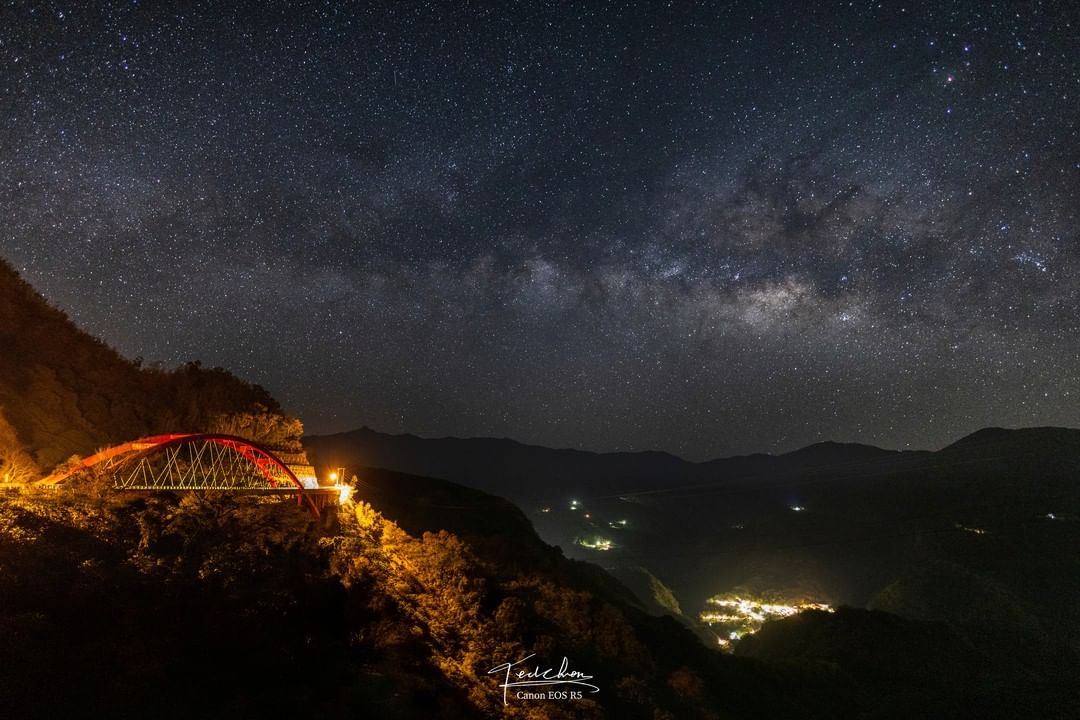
(708, 229)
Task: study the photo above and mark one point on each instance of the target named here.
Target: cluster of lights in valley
(729, 617)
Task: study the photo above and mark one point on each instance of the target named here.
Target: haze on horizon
(711, 231)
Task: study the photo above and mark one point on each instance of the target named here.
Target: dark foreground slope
(921, 669)
(216, 607)
(977, 545)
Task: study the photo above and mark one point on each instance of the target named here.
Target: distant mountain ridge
(823, 448)
(489, 463)
(1042, 435)
(478, 461)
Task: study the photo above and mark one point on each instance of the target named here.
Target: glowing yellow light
(344, 494)
(333, 476)
(596, 543)
(740, 616)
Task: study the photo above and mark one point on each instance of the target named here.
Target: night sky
(702, 228)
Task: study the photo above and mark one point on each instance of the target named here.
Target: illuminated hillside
(64, 392)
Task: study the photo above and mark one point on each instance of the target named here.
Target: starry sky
(706, 228)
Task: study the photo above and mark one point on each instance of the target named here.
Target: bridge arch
(195, 461)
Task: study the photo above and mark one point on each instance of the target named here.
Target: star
(703, 231)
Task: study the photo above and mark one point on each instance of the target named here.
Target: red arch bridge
(201, 462)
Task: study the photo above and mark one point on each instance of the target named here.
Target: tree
(16, 465)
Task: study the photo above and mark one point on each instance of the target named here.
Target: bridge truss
(199, 462)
